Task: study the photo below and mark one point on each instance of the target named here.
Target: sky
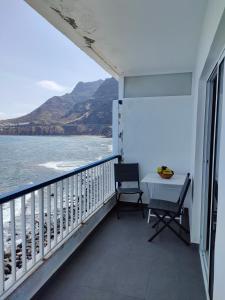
(36, 60)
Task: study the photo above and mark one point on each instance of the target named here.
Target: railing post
(110, 177)
(101, 184)
(88, 192)
(107, 168)
(55, 214)
(97, 187)
(72, 202)
(23, 230)
(2, 271)
(81, 198)
(41, 222)
(13, 241)
(61, 209)
(48, 237)
(76, 200)
(84, 189)
(33, 232)
(67, 205)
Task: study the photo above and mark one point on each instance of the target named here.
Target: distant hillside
(86, 110)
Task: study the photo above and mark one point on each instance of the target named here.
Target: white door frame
(204, 209)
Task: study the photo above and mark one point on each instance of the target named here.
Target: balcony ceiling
(131, 37)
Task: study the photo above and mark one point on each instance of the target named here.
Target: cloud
(51, 85)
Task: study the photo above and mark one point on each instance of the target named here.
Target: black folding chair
(127, 173)
(166, 209)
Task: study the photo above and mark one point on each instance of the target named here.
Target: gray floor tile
(118, 262)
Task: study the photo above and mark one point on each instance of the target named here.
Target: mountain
(56, 107)
(86, 110)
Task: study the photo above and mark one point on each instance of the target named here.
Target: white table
(153, 179)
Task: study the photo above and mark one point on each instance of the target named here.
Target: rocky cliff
(86, 110)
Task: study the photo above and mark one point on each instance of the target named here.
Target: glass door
(211, 166)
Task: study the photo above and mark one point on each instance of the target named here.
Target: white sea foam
(110, 148)
(64, 165)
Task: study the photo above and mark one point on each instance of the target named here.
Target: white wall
(157, 131)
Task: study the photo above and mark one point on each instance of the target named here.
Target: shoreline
(57, 135)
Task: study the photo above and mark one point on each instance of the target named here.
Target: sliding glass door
(210, 170)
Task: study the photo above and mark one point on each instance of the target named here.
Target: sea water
(30, 159)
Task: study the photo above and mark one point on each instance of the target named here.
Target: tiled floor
(118, 263)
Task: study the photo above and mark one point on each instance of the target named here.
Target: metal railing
(39, 218)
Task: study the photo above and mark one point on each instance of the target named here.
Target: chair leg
(158, 221)
(180, 225)
(141, 205)
(178, 235)
(157, 233)
(174, 220)
(167, 224)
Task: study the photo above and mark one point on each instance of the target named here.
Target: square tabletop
(154, 178)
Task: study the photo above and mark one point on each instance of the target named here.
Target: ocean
(29, 159)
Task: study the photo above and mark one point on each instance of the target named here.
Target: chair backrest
(126, 173)
(184, 190)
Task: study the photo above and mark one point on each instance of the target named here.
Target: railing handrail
(26, 189)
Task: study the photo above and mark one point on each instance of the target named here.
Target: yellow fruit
(167, 172)
(159, 169)
(164, 170)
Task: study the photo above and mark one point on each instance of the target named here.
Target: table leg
(149, 215)
(150, 194)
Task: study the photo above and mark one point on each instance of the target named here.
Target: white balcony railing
(36, 220)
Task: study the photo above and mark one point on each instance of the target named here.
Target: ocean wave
(63, 165)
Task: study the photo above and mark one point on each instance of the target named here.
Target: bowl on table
(165, 172)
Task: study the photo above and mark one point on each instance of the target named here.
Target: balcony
(50, 226)
(117, 262)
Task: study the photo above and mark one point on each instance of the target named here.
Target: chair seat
(129, 190)
(163, 205)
